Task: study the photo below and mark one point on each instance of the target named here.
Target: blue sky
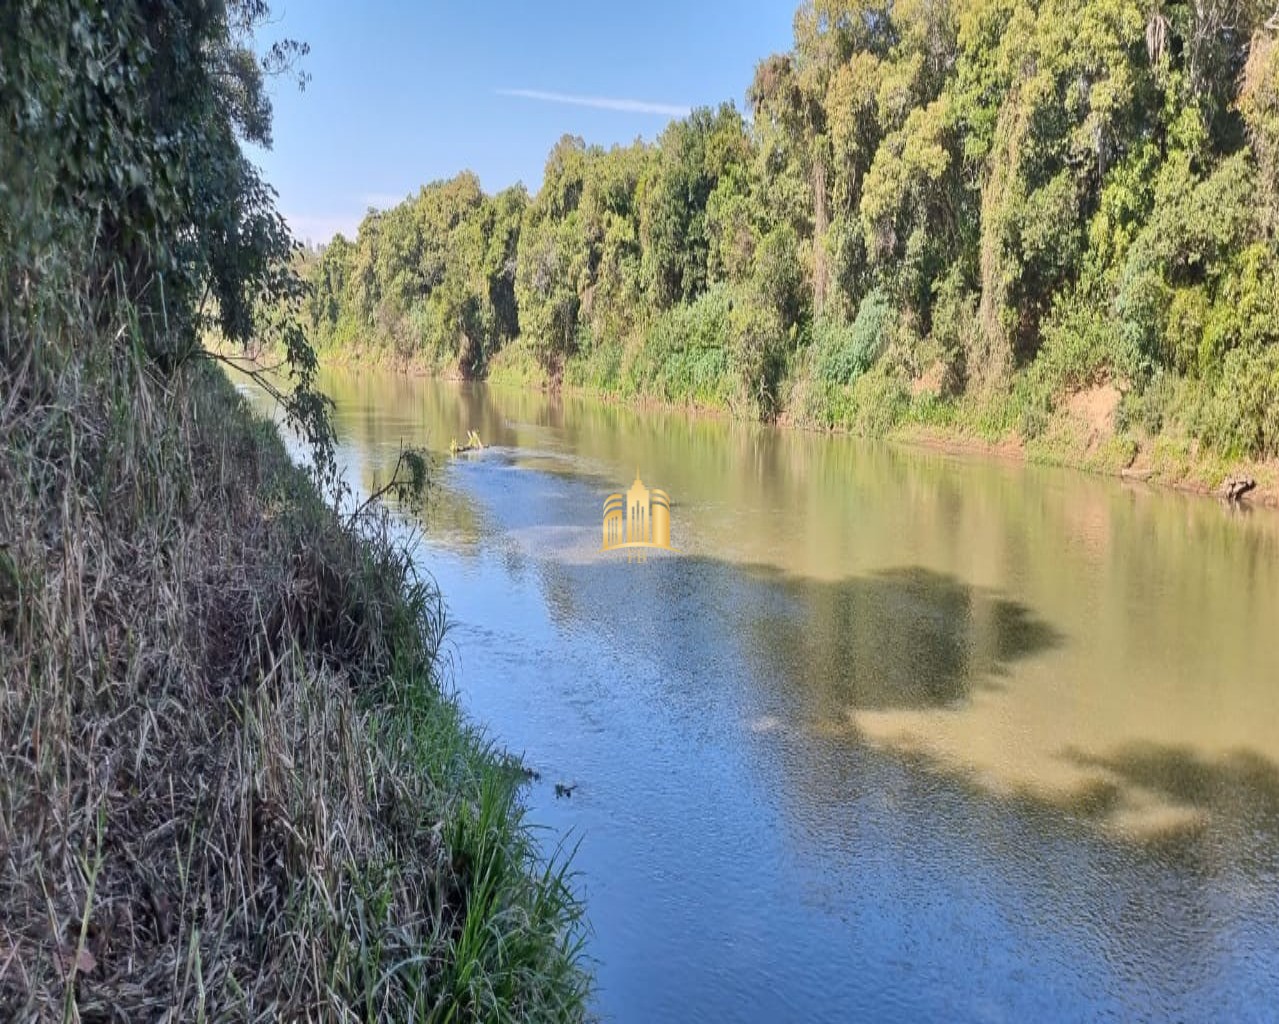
(404, 93)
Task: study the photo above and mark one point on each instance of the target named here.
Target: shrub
(598, 364)
(955, 330)
(1240, 416)
(1188, 313)
(1193, 242)
(685, 352)
(779, 278)
(1153, 408)
(846, 351)
(758, 357)
(879, 401)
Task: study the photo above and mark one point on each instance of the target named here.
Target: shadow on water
(1237, 794)
(914, 639)
(816, 652)
(906, 638)
(923, 852)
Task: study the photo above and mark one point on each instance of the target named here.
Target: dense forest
(231, 786)
(957, 213)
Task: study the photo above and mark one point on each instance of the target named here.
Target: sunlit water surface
(895, 736)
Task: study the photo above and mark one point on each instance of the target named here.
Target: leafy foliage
(121, 166)
(233, 788)
(848, 350)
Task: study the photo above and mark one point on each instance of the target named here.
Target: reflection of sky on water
(898, 738)
(838, 874)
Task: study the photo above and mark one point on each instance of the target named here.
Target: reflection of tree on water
(1047, 893)
(906, 638)
(918, 855)
(909, 639)
(1237, 794)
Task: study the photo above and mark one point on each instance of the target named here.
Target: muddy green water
(894, 736)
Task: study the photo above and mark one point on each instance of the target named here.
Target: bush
(598, 365)
(779, 278)
(846, 351)
(685, 353)
(1188, 313)
(956, 330)
(758, 358)
(1153, 407)
(1240, 415)
(1083, 346)
(1194, 246)
(880, 399)
(518, 365)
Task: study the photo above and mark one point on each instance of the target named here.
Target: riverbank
(1083, 429)
(234, 787)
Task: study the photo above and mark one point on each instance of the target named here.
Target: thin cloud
(381, 200)
(627, 106)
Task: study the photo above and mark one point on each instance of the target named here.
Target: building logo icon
(637, 520)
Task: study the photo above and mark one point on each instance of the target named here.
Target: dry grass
(231, 789)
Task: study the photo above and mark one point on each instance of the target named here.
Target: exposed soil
(1095, 409)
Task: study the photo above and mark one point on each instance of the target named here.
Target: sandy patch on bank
(1094, 410)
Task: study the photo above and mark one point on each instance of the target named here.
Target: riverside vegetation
(232, 787)
(1049, 224)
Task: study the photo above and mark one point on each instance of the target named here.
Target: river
(893, 735)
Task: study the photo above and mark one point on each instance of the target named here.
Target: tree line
(935, 209)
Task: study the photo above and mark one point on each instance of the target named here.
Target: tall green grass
(232, 786)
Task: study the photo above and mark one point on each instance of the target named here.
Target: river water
(893, 735)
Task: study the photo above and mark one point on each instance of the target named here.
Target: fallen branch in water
(473, 444)
(1236, 487)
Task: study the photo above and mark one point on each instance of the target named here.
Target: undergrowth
(231, 786)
